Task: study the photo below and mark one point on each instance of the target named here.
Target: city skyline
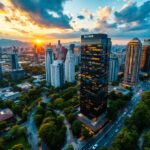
(66, 20)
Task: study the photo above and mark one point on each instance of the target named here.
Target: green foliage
(85, 133)
(18, 147)
(58, 103)
(2, 144)
(38, 119)
(115, 103)
(3, 125)
(70, 147)
(76, 128)
(147, 140)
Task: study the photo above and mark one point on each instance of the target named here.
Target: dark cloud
(2, 7)
(133, 13)
(81, 17)
(84, 30)
(45, 12)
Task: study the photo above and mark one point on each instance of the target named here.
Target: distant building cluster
(60, 64)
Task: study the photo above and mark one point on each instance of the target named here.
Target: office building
(113, 68)
(70, 65)
(1, 74)
(145, 57)
(132, 63)
(95, 49)
(49, 58)
(35, 55)
(57, 73)
(14, 60)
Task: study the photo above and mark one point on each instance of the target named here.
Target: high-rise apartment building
(145, 57)
(49, 58)
(113, 68)
(95, 49)
(57, 73)
(132, 64)
(1, 74)
(70, 65)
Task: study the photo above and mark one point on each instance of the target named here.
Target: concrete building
(49, 58)
(113, 68)
(57, 73)
(132, 64)
(95, 50)
(70, 65)
(1, 74)
(145, 57)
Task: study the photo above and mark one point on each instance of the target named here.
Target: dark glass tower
(95, 50)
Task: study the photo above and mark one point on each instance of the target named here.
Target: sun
(38, 41)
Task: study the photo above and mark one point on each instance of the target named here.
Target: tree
(3, 125)
(58, 103)
(85, 133)
(2, 144)
(147, 139)
(38, 119)
(47, 132)
(70, 117)
(70, 147)
(76, 128)
(18, 147)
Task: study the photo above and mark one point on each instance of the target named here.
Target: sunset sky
(50, 20)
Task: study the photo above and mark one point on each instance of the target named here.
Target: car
(95, 146)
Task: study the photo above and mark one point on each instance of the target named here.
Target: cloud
(84, 30)
(131, 13)
(104, 25)
(81, 17)
(104, 12)
(45, 12)
(87, 14)
(1, 6)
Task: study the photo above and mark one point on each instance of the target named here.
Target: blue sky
(68, 19)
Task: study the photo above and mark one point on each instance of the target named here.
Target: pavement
(106, 136)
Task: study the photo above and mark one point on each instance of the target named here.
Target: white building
(57, 73)
(49, 57)
(70, 65)
(113, 68)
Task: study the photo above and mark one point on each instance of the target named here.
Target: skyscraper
(95, 49)
(1, 75)
(70, 65)
(57, 73)
(132, 64)
(49, 58)
(113, 68)
(14, 60)
(145, 57)
(35, 57)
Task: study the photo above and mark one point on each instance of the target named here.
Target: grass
(21, 140)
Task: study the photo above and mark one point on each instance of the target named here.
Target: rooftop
(5, 114)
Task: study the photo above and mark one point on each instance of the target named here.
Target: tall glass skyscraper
(49, 58)
(57, 73)
(145, 57)
(95, 50)
(113, 68)
(70, 65)
(132, 64)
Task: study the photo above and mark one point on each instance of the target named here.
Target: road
(32, 131)
(105, 137)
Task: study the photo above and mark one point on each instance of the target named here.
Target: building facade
(113, 68)
(14, 60)
(132, 63)
(49, 58)
(70, 65)
(95, 49)
(145, 57)
(57, 73)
